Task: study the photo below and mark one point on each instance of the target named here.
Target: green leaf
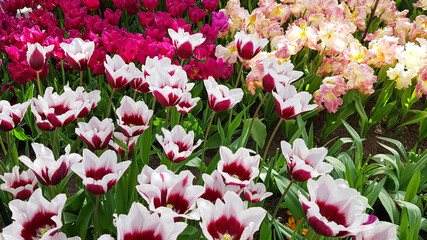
(20, 134)
(380, 113)
(413, 185)
(363, 121)
(413, 215)
(121, 144)
(417, 118)
(235, 124)
(423, 129)
(389, 206)
(373, 194)
(258, 132)
(83, 219)
(189, 232)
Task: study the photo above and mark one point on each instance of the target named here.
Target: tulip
(196, 14)
(92, 5)
(133, 117)
(19, 185)
(169, 194)
(141, 224)
(185, 43)
(210, 5)
(335, 209)
(248, 46)
(49, 171)
(78, 53)
(220, 98)
(382, 230)
(275, 72)
(96, 134)
(238, 168)
(89, 100)
(11, 116)
(186, 103)
(150, 4)
(304, 164)
(35, 219)
(113, 18)
(118, 73)
(100, 174)
(230, 219)
(177, 144)
(139, 83)
(256, 192)
(215, 188)
(289, 103)
(37, 56)
(130, 141)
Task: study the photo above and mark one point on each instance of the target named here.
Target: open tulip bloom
(119, 74)
(304, 163)
(133, 117)
(278, 73)
(186, 103)
(382, 230)
(95, 133)
(88, 99)
(220, 97)
(215, 188)
(248, 46)
(37, 56)
(11, 116)
(334, 209)
(185, 43)
(19, 185)
(256, 192)
(78, 53)
(289, 103)
(100, 174)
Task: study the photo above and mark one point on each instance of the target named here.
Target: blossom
(96, 134)
(100, 174)
(256, 192)
(177, 144)
(196, 14)
(304, 163)
(169, 194)
(150, 4)
(275, 72)
(35, 219)
(141, 224)
(289, 103)
(185, 43)
(402, 76)
(229, 219)
(215, 188)
(210, 5)
(37, 56)
(248, 45)
(220, 98)
(186, 103)
(133, 117)
(11, 116)
(421, 87)
(382, 230)
(421, 4)
(118, 73)
(139, 83)
(361, 77)
(49, 171)
(238, 168)
(19, 185)
(78, 53)
(330, 92)
(334, 209)
(92, 5)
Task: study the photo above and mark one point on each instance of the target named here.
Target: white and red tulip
(177, 144)
(38, 55)
(304, 163)
(19, 185)
(11, 115)
(133, 117)
(334, 209)
(130, 141)
(141, 224)
(139, 83)
(215, 188)
(220, 97)
(119, 74)
(49, 171)
(88, 99)
(238, 168)
(186, 103)
(185, 43)
(256, 192)
(382, 230)
(289, 103)
(280, 73)
(100, 174)
(95, 133)
(230, 219)
(248, 46)
(78, 53)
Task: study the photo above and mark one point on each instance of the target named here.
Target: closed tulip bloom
(37, 56)
(177, 144)
(220, 97)
(229, 219)
(215, 188)
(210, 5)
(185, 43)
(289, 103)
(140, 223)
(47, 169)
(382, 230)
(256, 192)
(334, 209)
(11, 116)
(238, 168)
(54, 110)
(304, 163)
(78, 53)
(118, 73)
(130, 141)
(133, 117)
(248, 46)
(150, 4)
(169, 194)
(100, 174)
(281, 73)
(36, 219)
(139, 83)
(95, 133)
(186, 103)
(19, 185)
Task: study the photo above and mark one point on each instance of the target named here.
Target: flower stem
(38, 84)
(63, 72)
(55, 136)
(370, 19)
(271, 139)
(95, 218)
(182, 119)
(204, 144)
(2, 146)
(168, 110)
(134, 95)
(281, 199)
(109, 103)
(238, 76)
(253, 119)
(13, 161)
(182, 62)
(81, 78)
(52, 192)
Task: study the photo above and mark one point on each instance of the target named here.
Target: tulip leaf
(413, 185)
(423, 129)
(190, 232)
(258, 131)
(83, 219)
(389, 206)
(121, 144)
(20, 134)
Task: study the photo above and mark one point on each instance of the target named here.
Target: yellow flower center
(226, 237)
(169, 206)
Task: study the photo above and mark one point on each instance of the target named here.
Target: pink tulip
(256, 192)
(185, 43)
(140, 223)
(335, 209)
(92, 5)
(220, 98)
(49, 171)
(11, 116)
(177, 144)
(248, 46)
(238, 168)
(113, 18)
(210, 5)
(289, 103)
(133, 117)
(304, 163)
(78, 53)
(19, 185)
(37, 56)
(95, 133)
(100, 174)
(196, 14)
(150, 4)
(230, 219)
(215, 188)
(275, 72)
